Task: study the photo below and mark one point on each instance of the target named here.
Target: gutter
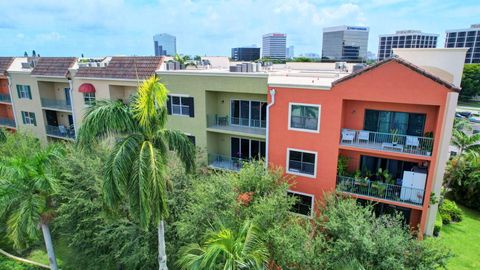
(70, 83)
(272, 94)
(9, 79)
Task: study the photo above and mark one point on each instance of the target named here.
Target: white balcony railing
(60, 131)
(225, 162)
(56, 104)
(246, 125)
(387, 142)
(380, 190)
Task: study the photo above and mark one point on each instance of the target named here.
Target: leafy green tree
(227, 249)
(470, 81)
(465, 142)
(135, 170)
(302, 59)
(184, 60)
(3, 137)
(28, 184)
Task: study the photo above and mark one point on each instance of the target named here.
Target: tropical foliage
(465, 142)
(470, 81)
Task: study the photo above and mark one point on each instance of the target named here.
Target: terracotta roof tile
(53, 66)
(124, 68)
(405, 63)
(5, 63)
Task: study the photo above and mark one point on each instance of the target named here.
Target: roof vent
(358, 67)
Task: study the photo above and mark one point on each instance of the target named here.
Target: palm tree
(465, 142)
(135, 170)
(184, 60)
(27, 187)
(227, 249)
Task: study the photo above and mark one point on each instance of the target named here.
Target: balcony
(225, 163)
(235, 125)
(5, 98)
(56, 104)
(380, 190)
(389, 142)
(60, 132)
(7, 122)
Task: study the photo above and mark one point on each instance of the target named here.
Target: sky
(208, 27)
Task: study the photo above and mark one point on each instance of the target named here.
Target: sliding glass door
(248, 113)
(394, 122)
(247, 149)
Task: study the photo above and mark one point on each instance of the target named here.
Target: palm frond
(104, 118)
(181, 144)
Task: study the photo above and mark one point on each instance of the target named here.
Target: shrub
(438, 225)
(450, 212)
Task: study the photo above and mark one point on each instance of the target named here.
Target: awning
(86, 88)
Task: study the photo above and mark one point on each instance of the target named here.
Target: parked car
(465, 114)
(474, 117)
(459, 116)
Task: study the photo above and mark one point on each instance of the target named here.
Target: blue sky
(126, 27)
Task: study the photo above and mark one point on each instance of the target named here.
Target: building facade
(465, 38)
(245, 54)
(274, 46)
(345, 42)
(7, 117)
(165, 44)
(404, 39)
(290, 52)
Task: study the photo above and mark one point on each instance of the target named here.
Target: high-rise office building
(404, 39)
(290, 52)
(274, 46)
(245, 53)
(465, 38)
(345, 42)
(165, 44)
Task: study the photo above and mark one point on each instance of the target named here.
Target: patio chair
(412, 142)
(63, 130)
(364, 136)
(348, 135)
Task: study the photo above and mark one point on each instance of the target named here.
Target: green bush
(438, 225)
(8, 264)
(450, 212)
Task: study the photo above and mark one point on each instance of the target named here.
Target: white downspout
(70, 83)
(272, 94)
(9, 79)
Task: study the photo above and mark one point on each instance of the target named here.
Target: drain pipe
(11, 93)
(70, 83)
(272, 94)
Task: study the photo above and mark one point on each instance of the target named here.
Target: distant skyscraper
(251, 53)
(404, 39)
(165, 44)
(290, 52)
(465, 38)
(274, 46)
(345, 42)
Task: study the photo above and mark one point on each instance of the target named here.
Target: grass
(62, 252)
(463, 239)
(468, 105)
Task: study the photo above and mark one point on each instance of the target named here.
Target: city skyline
(209, 27)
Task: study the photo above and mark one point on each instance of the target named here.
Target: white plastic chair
(62, 130)
(348, 135)
(363, 136)
(412, 141)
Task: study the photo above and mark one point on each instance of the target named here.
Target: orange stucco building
(7, 119)
(392, 116)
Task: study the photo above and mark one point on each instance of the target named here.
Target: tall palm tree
(135, 170)
(27, 187)
(465, 142)
(184, 60)
(227, 249)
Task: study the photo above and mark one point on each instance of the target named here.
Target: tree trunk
(49, 245)
(162, 255)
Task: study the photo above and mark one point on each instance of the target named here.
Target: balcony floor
(389, 148)
(225, 165)
(260, 132)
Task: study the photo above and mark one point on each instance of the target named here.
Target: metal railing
(225, 162)
(5, 98)
(7, 122)
(217, 120)
(302, 122)
(380, 190)
(56, 104)
(60, 131)
(387, 141)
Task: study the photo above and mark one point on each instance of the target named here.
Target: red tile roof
(5, 63)
(53, 66)
(122, 67)
(405, 63)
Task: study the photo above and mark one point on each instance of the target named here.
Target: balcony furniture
(62, 130)
(413, 184)
(348, 135)
(363, 136)
(222, 120)
(412, 142)
(391, 146)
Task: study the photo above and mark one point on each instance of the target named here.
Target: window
(303, 204)
(192, 139)
(304, 117)
(24, 91)
(247, 149)
(180, 105)
(89, 98)
(301, 162)
(386, 121)
(248, 113)
(29, 118)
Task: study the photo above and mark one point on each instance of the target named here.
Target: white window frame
(287, 165)
(29, 120)
(24, 93)
(311, 206)
(304, 104)
(180, 96)
(88, 99)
